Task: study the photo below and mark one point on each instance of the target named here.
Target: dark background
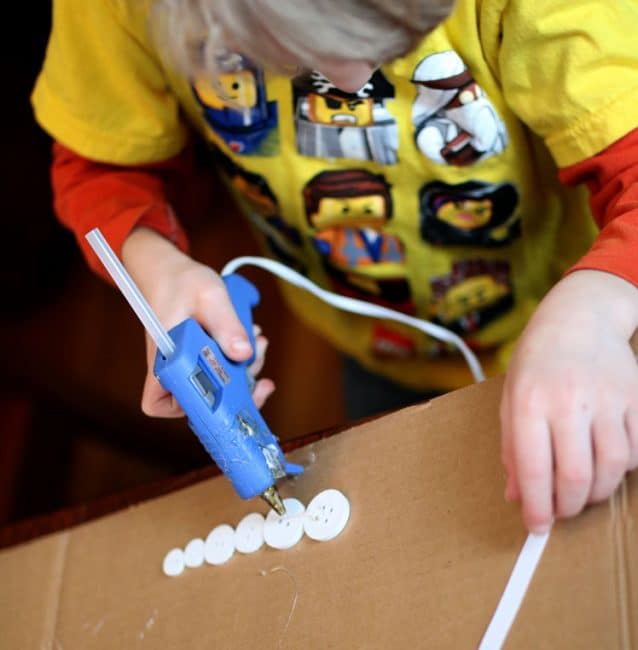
(72, 355)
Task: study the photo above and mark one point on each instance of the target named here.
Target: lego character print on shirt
(259, 203)
(473, 294)
(331, 123)
(348, 211)
(236, 108)
(473, 213)
(455, 123)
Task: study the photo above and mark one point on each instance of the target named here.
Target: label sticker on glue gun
(215, 366)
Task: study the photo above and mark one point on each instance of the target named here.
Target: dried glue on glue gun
(214, 392)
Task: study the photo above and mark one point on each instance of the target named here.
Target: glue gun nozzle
(272, 498)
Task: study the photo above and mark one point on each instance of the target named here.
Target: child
(396, 158)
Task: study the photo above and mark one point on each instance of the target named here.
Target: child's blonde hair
(285, 36)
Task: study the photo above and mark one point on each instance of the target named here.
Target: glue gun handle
(244, 297)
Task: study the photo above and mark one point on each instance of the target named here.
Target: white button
(220, 544)
(174, 562)
(194, 553)
(249, 534)
(284, 532)
(326, 515)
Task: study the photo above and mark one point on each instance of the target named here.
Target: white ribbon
(515, 591)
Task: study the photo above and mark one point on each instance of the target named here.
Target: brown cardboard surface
(421, 564)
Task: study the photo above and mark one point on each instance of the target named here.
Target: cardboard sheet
(421, 564)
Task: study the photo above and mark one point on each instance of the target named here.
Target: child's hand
(177, 287)
(569, 412)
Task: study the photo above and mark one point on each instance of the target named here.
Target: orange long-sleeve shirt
(612, 179)
(116, 199)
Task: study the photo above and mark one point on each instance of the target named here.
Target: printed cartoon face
(473, 213)
(465, 214)
(347, 198)
(473, 293)
(356, 210)
(235, 89)
(340, 111)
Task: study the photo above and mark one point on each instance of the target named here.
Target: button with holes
(285, 531)
(194, 553)
(174, 562)
(220, 544)
(326, 515)
(249, 534)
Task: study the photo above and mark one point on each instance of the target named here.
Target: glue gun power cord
(360, 307)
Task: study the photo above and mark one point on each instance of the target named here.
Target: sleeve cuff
(158, 217)
(609, 263)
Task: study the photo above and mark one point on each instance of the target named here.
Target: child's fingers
(611, 455)
(216, 314)
(512, 491)
(261, 345)
(631, 427)
(533, 462)
(264, 388)
(574, 464)
(507, 453)
(156, 402)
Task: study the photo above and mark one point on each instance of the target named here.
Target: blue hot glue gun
(214, 392)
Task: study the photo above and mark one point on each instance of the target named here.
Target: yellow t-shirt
(432, 190)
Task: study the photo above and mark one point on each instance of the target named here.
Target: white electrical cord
(360, 307)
